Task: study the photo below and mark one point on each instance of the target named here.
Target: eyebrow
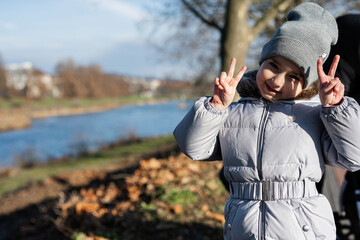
(300, 75)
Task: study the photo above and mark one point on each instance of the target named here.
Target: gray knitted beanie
(307, 34)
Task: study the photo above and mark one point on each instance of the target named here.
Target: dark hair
(309, 92)
(348, 47)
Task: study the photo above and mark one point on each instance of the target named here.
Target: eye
(273, 65)
(294, 77)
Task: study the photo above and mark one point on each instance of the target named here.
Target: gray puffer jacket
(273, 153)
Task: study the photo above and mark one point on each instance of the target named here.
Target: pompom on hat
(307, 35)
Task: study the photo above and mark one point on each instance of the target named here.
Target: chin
(269, 97)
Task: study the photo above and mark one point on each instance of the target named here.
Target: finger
(320, 71)
(224, 85)
(339, 85)
(333, 67)
(342, 90)
(330, 86)
(240, 73)
(223, 76)
(223, 81)
(339, 94)
(218, 84)
(232, 67)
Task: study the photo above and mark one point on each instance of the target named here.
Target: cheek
(262, 75)
(299, 88)
(258, 78)
(296, 90)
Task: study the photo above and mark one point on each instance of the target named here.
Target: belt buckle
(267, 190)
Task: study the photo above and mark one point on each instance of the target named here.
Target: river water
(55, 137)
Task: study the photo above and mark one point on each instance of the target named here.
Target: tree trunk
(235, 38)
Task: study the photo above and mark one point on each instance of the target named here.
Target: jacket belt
(271, 190)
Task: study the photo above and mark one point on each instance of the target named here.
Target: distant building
(143, 86)
(17, 75)
(152, 86)
(33, 82)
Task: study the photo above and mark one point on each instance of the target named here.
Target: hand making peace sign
(225, 87)
(331, 89)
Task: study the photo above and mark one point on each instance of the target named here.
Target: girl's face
(279, 79)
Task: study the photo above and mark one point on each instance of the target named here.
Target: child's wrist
(217, 105)
(333, 104)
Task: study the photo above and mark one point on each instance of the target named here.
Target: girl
(274, 144)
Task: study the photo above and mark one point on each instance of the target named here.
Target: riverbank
(13, 119)
(20, 115)
(159, 194)
(12, 178)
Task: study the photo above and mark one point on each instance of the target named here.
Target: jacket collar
(247, 86)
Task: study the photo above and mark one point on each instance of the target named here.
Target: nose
(278, 80)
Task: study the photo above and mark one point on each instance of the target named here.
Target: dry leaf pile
(171, 198)
(163, 193)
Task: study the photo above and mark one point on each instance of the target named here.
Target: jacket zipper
(263, 120)
(262, 220)
(264, 117)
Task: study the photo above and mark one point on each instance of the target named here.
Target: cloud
(124, 9)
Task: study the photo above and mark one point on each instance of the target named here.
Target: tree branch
(209, 22)
(263, 22)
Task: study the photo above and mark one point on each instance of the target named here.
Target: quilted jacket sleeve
(197, 132)
(341, 141)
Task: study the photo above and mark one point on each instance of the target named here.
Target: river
(55, 137)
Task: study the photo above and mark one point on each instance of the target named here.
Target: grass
(56, 103)
(179, 196)
(98, 160)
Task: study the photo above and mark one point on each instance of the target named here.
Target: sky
(103, 32)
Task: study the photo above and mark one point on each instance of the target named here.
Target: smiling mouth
(271, 90)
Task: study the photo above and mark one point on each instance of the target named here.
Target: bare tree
(3, 88)
(89, 81)
(227, 28)
(65, 73)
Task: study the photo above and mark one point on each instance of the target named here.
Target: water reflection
(55, 137)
